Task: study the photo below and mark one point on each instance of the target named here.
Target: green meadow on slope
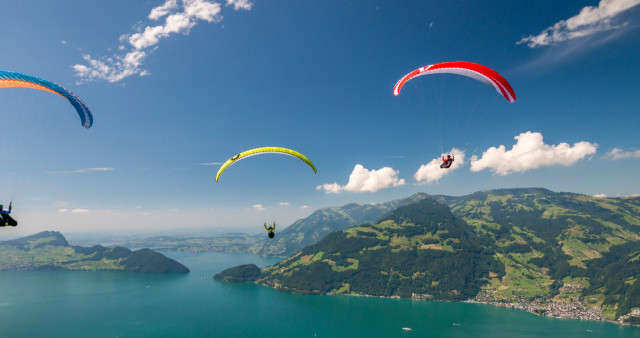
(511, 244)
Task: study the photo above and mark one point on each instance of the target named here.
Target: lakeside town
(569, 308)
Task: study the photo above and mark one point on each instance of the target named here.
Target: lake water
(122, 304)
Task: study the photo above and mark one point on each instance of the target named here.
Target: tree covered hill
(410, 251)
(505, 245)
(49, 250)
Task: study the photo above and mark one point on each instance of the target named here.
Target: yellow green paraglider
(265, 150)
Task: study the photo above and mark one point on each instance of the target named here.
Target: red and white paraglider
(469, 69)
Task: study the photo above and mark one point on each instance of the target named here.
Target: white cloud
(304, 207)
(180, 22)
(617, 153)
(530, 152)
(431, 172)
(364, 180)
(179, 18)
(600, 196)
(80, 211)
(211, 163)
(112, 69)
(590, 20)
(284, 204)
(63, 210)
(240, 4)
(258, 207)
(164, 9)
(80, 171)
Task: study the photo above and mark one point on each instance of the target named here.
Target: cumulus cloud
(179, 18)
(364, 180)
(431, 172)
(304, 207)
(590, 20)
(617, 153)
(258, 207)
(284, 204)
(530, 152)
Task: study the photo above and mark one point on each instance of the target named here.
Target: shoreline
(544, 308)
(572, 310)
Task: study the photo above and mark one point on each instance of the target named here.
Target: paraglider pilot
(271, 229)
(5, 219)
(446, 162)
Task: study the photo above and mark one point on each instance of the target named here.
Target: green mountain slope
(559, 245)
(562, 254)
(419, 250)
(325, 221)
(49, 250)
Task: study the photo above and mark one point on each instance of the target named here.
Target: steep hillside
(419, 250)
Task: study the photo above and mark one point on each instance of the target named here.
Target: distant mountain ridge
(325, 221)
(49, 250)
(532, 247)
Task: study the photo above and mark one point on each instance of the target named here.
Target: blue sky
(174, 85)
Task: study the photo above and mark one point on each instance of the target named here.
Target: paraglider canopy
(265, 150)
(13, 79)
(469, 69)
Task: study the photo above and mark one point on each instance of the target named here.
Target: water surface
(122, 304)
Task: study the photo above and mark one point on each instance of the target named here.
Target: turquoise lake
(121, 304)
